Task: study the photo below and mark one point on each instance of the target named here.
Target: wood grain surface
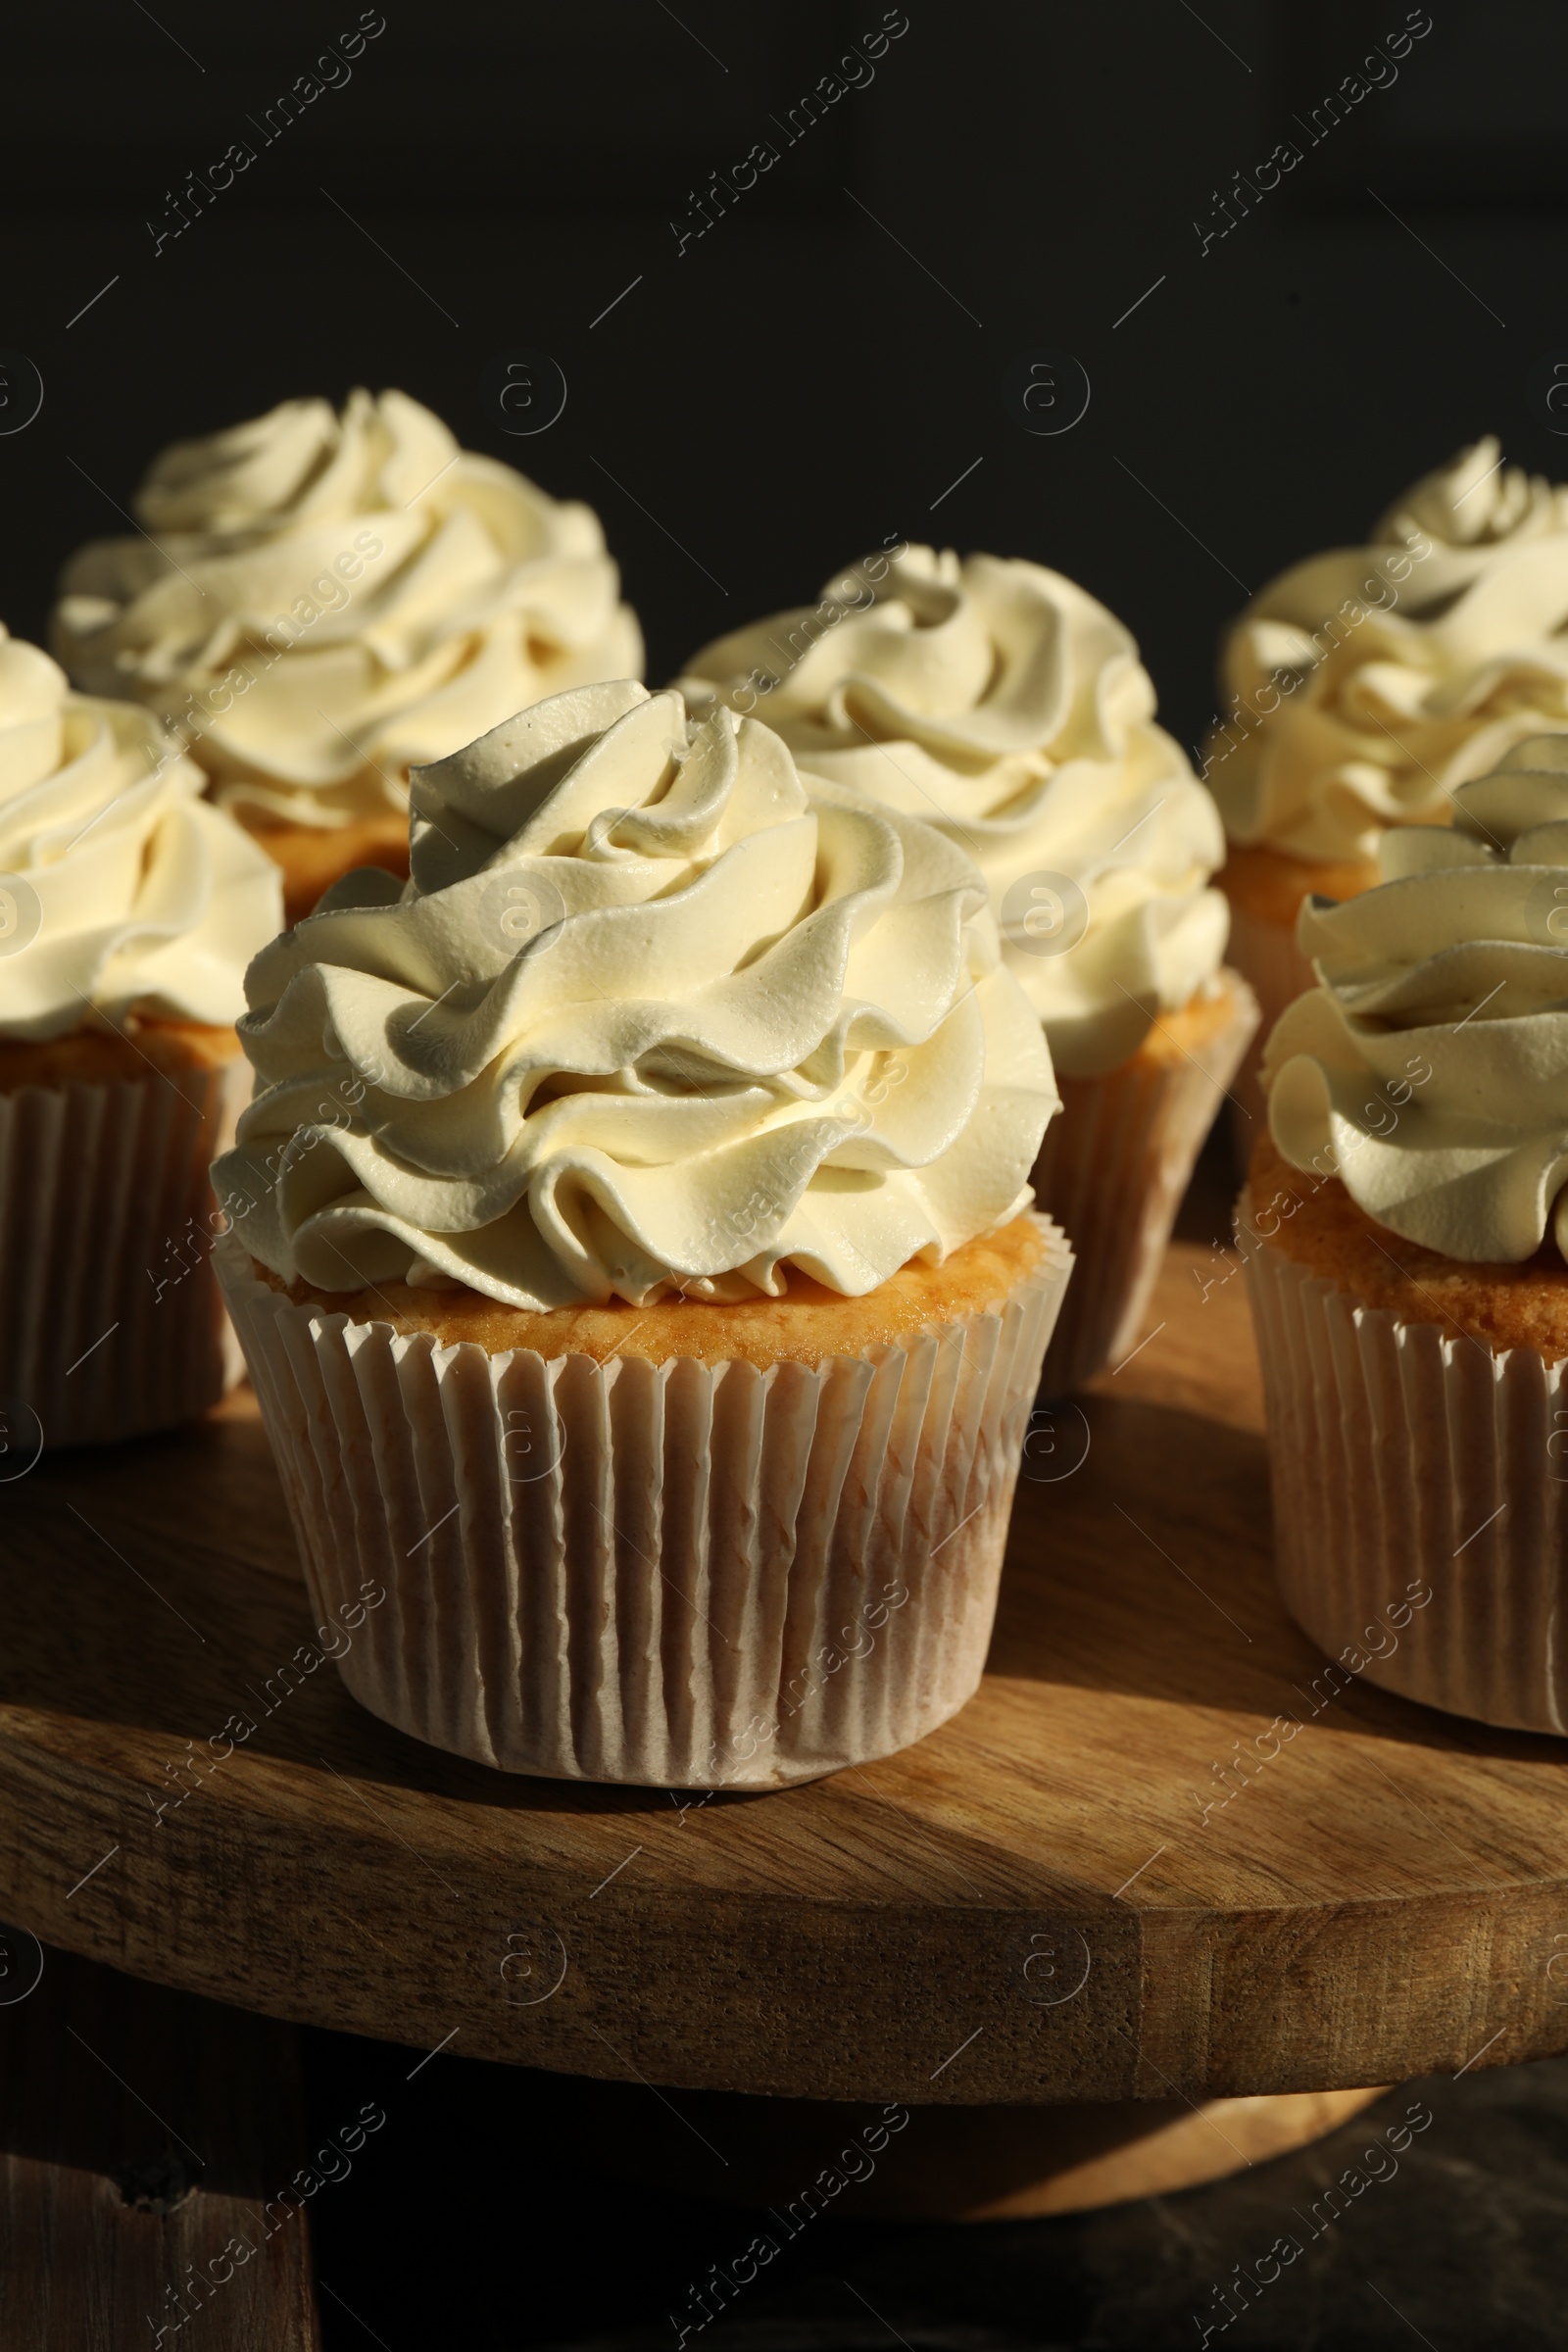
(1033, 1904)
(146, 2140)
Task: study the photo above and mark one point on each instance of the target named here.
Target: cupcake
(129, 911)
(1405, 1227)
(319, 601)
(1001, 703)
(659, 1327)
(1363, 686)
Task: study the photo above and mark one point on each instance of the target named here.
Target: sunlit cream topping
(1366, 684)
(998, 701)
(654, 1015)
(325, 601)
(1429, 1066)
(121, 890)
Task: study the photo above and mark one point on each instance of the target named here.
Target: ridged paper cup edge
(653, 1575)
(1420, 1504)
(1119, 1181)
(113, 1327)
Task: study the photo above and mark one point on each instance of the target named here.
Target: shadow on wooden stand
(953, 2164)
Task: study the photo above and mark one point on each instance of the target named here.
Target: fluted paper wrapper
(667, 1575)
(1277, 973)
(110, 1321)
(1111, 1173)
(1420, 1506)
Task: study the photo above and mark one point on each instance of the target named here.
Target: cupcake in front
(1000, 703)
(320, 601)
(129, 911)
(1406, 1226)
(632, 1250)
(1366, 684)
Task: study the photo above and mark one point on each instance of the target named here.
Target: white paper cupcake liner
(657, 1574)
(1420, 1504)
(1111, 1173)
(111, 1322)
(1277, 973)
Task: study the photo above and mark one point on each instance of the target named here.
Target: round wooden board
(1029, 1906)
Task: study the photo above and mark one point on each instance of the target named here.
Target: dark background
(503, 2245)
(801, 382)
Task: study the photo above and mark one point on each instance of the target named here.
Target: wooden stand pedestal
(1108, 1880)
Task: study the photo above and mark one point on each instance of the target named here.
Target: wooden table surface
(1033, 1904)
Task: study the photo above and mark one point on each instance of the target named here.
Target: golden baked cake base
(1271, 885)
(1317, 1225)
(314, 856)
(1175, 1036)
(104, 1056)
(809, 1325)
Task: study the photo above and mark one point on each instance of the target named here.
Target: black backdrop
(815, 371)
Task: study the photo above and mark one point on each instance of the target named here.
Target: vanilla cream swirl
(1366, 684)
(327, 600)
(1000, 703)
(654, 1013)
(1429, 1067)
(121, 891)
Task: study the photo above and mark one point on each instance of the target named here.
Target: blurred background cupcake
(1364, 685)
(1000, 703)
(1406, 1226)
(129, 911)
(662, 1327)
(321, 601)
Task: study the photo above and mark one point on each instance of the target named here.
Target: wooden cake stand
(1110, 1897)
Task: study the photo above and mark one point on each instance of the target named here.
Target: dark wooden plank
(147, 2139)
